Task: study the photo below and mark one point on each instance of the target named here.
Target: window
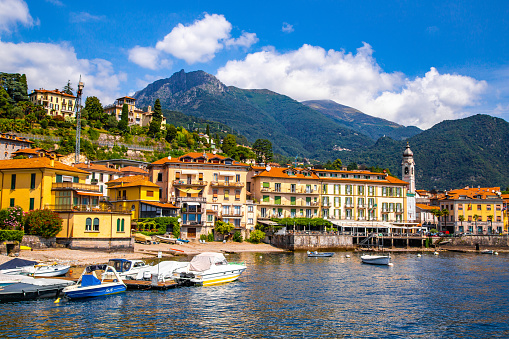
(159, 176)
(266, 185)
(32, 181)
(11, 202)
(266, 198)
(337, 201)
(226, 210)
(226, 194)
(237, 177)
(293, 213)
(277, 200)
(479, 207)
(59, 178)
(292, 188)
(214, 193)
(293, 200)
(324, 188)
(13, 182)
(250, 221)
(88, 224)
(118, 225)
(277, 187)
(76, 179)
(32, 204)
(263, 212)
(150, 193)
(236, 210)
(96, 224)
(337, 189)
(250, 208)
(237, 195)
(348, 189)
(360, 190)
(371, 190)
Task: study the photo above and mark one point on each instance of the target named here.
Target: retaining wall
(484, 241)
(310, 241)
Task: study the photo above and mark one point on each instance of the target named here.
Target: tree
(337, 165)
(207, 131)
(157, 118)
(15, 85)
(123, 125)
(461, 218)
(256, 236)
(352, 166)
(171, 133)
(5, 105)
(437, 213)
(94, 110)
(475, 216)
(68, 88)
(263, 151)
(44, 223)
(223, 228)
(445, 213)
(229, 144)
(31, 118)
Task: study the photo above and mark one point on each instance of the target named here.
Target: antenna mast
(78, 121)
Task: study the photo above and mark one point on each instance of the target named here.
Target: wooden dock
(147, 285)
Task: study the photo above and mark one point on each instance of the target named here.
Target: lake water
(452, 295)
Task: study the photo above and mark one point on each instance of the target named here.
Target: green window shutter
(308, 199)
(265, 198)
(293, 200)
(266, 185)
(122, 227)
(75, 179)
(32, 181)
(280, 210)
(277, 200)
(59, 177)
(118, 225)
(293, 210)
(11, 202)
(32, 204)
(13, 182)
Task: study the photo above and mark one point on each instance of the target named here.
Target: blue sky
(412, 62)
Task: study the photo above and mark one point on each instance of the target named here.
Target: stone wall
(484, 241)
(37, 242)
(126, 244)
(310, 241)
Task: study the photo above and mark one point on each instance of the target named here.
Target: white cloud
(49, 66)
(55, 2)
(287, 28)
(198, 42)
(13, 12)
(82, 17)
(312, 73)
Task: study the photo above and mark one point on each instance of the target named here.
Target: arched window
(96, 224)
(88, 224)
(118, 225)
(122, 228)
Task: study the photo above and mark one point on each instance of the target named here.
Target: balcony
(75, 186)
(189, 183)
(226, 184)
(87, 208)
(192, 223)
(290, 191)
(232, 214)
(191, 199)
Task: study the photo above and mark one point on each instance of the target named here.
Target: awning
(189, 172)
(92, 194)
(227, 174)
(189, 190)
(192, 203)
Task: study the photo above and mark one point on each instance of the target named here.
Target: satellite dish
(268, 168)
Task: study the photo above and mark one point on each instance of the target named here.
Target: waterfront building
(133, 170)
(480, 208)
(99, 175)
(139, 196)
(37, 153)
(136, 115)
(55, 103)
(43, 183)
(10, 143)
(205, 187)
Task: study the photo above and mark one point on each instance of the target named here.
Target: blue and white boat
(90, 286)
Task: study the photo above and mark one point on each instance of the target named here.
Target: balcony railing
(189, 183)
(191, 199)
(75, 186)
(87, 208)
(226, 184)
(192, 223)
(294, 191)
(232, 214)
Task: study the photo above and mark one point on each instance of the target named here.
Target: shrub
(44, 223)
(223, 228)
(256, 236)
(9, 235)
(203, 237)
(210, 237)
(11, 218)
(237, 237)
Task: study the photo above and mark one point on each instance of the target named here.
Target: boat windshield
(120, 265)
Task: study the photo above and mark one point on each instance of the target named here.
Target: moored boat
(376, 259)
(44, 270)
(127, 269)
(487, 252)
(90, 286)
(28, 288)
(320, 254)
(208, 268)
(16, 266)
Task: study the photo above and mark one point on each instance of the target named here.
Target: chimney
(149, 109)
(52, 162)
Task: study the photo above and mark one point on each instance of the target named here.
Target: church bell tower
(408, 169)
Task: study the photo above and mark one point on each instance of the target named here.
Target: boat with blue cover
(320, 254)
(90, 286)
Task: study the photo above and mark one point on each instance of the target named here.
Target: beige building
(10, 144)
(55, 103)
(136, 116)
(206, 187)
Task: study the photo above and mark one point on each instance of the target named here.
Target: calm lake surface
(452, 295)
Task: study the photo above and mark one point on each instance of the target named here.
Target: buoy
(391, 264)
(347, 256)
(418, 254)
(435, 253)
(57, 301)
(495, 253)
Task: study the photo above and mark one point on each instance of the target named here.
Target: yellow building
(139, 196)
(136, 116)
(54, 102)
(206, 187)
(40, 183)
(481, 210)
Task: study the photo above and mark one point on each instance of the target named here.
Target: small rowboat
(376, 259)
(320, 254)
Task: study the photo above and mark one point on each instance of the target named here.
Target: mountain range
(471, 151)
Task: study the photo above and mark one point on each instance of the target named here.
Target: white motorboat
(44, 270)
(90, 286)
(127, 269)
(164, 270)
(208, 268)
(16, 266)
(376, 259)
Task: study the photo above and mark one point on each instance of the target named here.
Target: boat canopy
(92, 268)
(16, 263)
(204, 261)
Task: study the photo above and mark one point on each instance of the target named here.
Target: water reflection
(291, 295)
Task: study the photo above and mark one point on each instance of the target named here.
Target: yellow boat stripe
(220, 280)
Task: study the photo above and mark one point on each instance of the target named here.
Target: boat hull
(376, 259)
(23, 291)
(320, 255)
(78, 292)
(210, 278)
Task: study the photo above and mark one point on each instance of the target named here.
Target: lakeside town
(210, 196)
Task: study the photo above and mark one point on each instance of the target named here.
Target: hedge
(8, 235)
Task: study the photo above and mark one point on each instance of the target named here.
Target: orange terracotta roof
(42, 162)
(126, 97)
(471, 193)
(195, 155)
(426, 207)
(95, 167)
(53, 92)
(279, 172)
(158, 204)
(393, 180)
(135, 180)
(133, 169)
(35, 151)
(349, 172)
(16, 138)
